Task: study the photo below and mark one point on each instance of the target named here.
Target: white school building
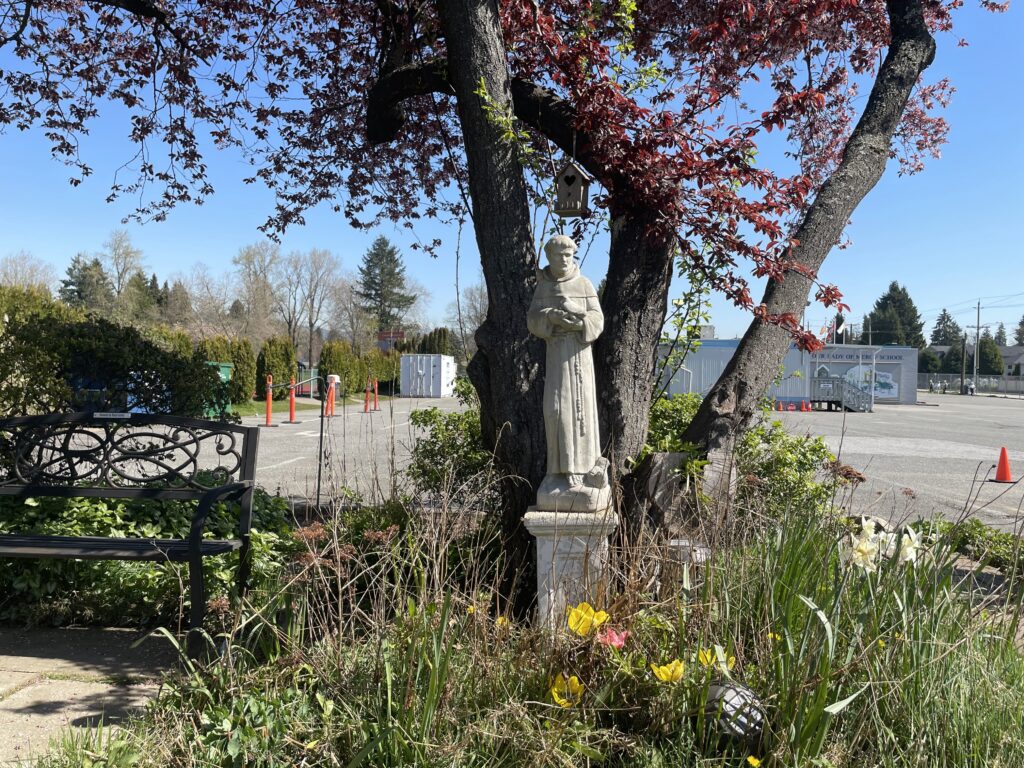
(893, 370)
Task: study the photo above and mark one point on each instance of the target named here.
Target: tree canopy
(400, 109)
(946, 331)
(382, 288)
(895, 319)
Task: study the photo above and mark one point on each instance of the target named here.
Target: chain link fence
(1012, 386)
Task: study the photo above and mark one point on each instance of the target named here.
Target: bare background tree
(211, 301)
(319, 272)
(254, 271)
(466, 314)
(348, 318)
(121, 260)
(22, 269)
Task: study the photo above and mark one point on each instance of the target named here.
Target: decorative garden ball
(736, 710)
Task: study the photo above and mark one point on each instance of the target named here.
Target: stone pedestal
(572, 556)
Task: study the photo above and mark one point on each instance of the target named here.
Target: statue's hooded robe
(570, 397)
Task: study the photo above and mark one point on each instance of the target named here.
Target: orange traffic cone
(778, 405)
(1003, 468)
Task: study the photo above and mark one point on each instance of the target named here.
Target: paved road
(942, 451)
(362, 451)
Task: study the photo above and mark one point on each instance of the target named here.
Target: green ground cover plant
(118, 592)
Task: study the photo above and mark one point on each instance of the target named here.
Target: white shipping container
(427, 376)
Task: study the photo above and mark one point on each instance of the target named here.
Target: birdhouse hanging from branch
(572, 191)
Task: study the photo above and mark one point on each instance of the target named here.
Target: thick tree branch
(384, 114)
(22, 24)
(734, 398)
(537, 107)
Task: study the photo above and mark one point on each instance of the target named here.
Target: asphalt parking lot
(926, 460)
(929, 460)
(363, 452)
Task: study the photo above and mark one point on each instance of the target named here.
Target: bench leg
(244, 566)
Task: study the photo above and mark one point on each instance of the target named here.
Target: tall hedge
(277, 357)
(438, 342)
(243, 380)
(213, 349)
(338, 358)
(55, 359)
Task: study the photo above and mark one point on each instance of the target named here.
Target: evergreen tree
(946, 331)
(895, 319)
(277, 358)
(1000, 338)
(137, 303)
(178, 305)
(382, 285)
(437, 342)
(928, 361)
(1018, 333)
(952, 361)
(87, 285)
(990, 362)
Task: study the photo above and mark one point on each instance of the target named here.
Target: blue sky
(950, 234)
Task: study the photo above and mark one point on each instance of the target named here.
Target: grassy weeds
(386, 646)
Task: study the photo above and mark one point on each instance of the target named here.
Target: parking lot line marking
(282, 463)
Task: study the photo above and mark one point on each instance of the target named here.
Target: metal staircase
(835, 390)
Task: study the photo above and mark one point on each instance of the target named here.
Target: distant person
(931, 387)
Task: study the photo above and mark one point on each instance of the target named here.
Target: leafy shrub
(669, 418)
(450, 459)
(113, 592)
(277, 358)
(338, 359)
(784, 471)
(238, 352)
(243, 378)
(55, 359)
(213, 349)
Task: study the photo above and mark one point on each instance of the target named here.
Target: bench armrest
(225, 492)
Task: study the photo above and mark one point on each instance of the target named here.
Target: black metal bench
(133, 456)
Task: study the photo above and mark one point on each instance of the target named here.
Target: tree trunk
(507, 369)
(634, 304)
(735, 397)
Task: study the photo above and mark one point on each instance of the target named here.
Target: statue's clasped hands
(569, 321)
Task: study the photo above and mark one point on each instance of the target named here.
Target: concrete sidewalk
(51, 679)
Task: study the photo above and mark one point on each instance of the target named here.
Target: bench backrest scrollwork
(123, 455)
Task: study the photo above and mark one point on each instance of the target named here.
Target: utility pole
(963, 364)
(977, 345)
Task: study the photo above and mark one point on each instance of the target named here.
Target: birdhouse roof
(572, 165)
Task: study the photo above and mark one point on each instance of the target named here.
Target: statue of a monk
(565, 312)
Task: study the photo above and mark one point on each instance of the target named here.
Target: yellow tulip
(669, 673)
(566, 691)
(583, 619)
(708, 656)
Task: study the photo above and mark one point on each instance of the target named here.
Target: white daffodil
(863, 550)
(909, 545)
